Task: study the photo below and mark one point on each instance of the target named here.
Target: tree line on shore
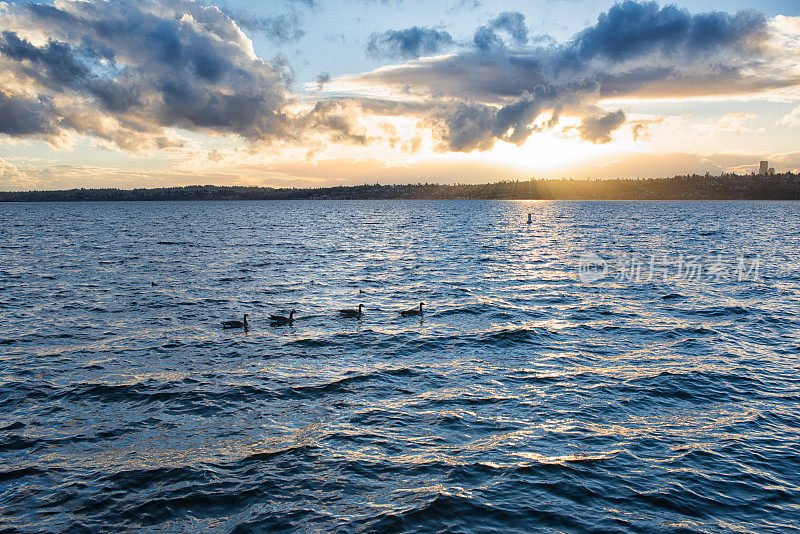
(785, 186)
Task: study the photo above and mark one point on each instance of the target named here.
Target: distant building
(764, 168)
(771, 171)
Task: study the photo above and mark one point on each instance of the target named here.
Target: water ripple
(522, 401)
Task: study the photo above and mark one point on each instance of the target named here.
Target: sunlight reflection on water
(523, 399)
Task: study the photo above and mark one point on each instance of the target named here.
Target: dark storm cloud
(509, 22)
(650, 45)
(21, 116)
(134, 72)
(598, 129)
(631, 29)
(409, 43)
(466, 127)
(635, 48)
(54, 62)
(124, 71)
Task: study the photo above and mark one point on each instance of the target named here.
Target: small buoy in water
(530, 219)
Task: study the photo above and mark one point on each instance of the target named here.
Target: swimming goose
(352, 313)
(280, 320)
(235, 324)
(413, 311)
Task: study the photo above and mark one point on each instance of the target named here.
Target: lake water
(660, 393)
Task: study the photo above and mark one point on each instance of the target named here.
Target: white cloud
(13, 178)
(792, 119)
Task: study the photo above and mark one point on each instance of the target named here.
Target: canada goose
(352, 313)
(235, 324)
(413, 311)
(280, 320)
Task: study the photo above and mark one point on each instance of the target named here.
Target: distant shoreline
(784, 186)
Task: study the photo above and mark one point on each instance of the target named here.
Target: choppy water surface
(525, 400)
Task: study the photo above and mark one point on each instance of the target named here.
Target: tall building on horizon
(764, 168)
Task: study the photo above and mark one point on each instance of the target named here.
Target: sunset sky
(150, 93)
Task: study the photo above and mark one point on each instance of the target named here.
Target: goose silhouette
(235, 324)
(280, 320)
(353, 313)
(413, 311)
